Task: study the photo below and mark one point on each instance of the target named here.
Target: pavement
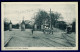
(37, 39)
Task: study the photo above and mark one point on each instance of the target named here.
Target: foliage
(54, 18)
(6, 26)
(15, 26)
(28, 26)
(73, 26)
(61, 25)
(43, 16)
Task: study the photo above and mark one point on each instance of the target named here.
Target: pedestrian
(32, 31)
(52, 30)
(44, 31)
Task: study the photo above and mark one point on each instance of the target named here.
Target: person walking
(32, 31)
(52, 30)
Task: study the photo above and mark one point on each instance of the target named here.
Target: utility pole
(50, 20)
(23, 18)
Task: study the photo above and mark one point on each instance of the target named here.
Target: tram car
(69, 29)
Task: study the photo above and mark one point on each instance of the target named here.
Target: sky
(16, 12)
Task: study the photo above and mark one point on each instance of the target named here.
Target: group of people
(48, 30)
(45, 30)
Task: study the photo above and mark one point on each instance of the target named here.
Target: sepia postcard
(39, 25)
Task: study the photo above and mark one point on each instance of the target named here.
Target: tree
(62, 25)
(73, 26)
(50, 18)
(54, 18)
(6, 24)
(28, 26)
(41, 16)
